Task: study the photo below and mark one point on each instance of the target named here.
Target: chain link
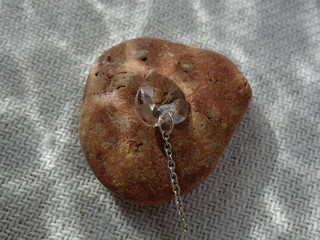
(174, 178)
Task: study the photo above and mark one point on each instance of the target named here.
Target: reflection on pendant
(157, 96)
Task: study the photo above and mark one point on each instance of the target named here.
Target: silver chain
(174, 177)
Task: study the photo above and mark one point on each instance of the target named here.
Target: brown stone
(125, 154)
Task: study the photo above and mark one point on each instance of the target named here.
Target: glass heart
(157, 96)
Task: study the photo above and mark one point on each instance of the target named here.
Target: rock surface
(125, 154)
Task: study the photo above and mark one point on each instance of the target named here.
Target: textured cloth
(265, 186)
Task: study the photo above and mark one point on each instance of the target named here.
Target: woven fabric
(265, 186)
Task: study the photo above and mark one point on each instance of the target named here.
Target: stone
(125, 154)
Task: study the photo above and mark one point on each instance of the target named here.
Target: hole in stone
(124, 72)
(109, 59)
(137, 146)
(120, 86)
(97, 73)
(208, 115)
(144, 59)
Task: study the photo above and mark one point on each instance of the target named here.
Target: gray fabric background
(267, 183)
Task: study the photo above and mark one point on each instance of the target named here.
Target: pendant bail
(166, 117)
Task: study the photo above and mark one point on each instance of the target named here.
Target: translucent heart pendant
(156, 97)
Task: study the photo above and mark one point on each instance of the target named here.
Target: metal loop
(174, 177)
(168, 146)
(171, 165)
(168, 153)
(177, 189)
(169, 120)
(165, 136)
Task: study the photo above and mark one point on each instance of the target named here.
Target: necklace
(160, 102)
